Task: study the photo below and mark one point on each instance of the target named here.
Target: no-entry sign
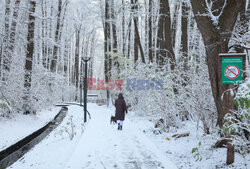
(232, 72)
(232, 66)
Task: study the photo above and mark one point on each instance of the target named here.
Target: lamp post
(81, 81)
(81, 89)
(85, 59)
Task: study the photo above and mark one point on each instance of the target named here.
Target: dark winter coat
(121, 108)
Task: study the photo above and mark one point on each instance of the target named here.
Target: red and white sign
(232, 72)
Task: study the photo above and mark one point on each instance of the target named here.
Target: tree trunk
(92, 52)
(123, 29)
(216, 41)
(49, 33)
(164, 42)
(62, 20)
(76, 72)
(150, 39)
(137, 41)
(55, 50)
(174, 22)
(129, 38)
(184, 39)
(230, 152)
(29, 58)
(44, 60)
(114, 37)
(133, 10)
(107, 44)
(10, 44)
(184, 31)
(6, 33)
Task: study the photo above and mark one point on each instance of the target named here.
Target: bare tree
(76, 71)
(174, 21)
(55, 50)
(150, 39)
(29, 57)
(184, 30)
(184, 38)
(110, 43)
(10, 43)
(137, 40)
(114, 35)
(6, 33)
(216, 41)
(129, 38)
(164, 42)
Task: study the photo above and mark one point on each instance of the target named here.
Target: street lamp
(81, 88)
(85, 59)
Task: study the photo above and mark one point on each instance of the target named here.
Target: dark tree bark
(110, 42)
(216, 41)
(65, 58)
(184, 31)
(62, 20)
(64, 10)
(44, 14)
(76, 71)
(164, 42)
(150, 39)
(184, 39)
(29, 57)
(55, 50)
(123, 29)
(113, 27)
(137, 41)
(129, 38)
(50, 36)
(146, 28)
(7, 17)
(10, 39)
(92, 51)
(110, 39)
(6, 33)
(107, 43)
(13, 26)
(133, 10)
(114, 37)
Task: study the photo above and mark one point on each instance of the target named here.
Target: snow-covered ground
(180, 150)
(95, 146)
(99, 145)
(19, 126)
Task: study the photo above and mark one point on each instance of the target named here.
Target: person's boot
(118, 126)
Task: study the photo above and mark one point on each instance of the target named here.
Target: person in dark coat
(120, 109)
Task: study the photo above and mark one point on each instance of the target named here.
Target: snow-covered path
(101, 146)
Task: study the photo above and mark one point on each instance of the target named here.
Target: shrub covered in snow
(238, 123)
(182, 93)
(46, 89)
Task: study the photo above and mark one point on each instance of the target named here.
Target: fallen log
(181, 135)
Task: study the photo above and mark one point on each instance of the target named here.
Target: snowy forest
(163, 53)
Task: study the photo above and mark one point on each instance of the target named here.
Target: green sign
(232, 70)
